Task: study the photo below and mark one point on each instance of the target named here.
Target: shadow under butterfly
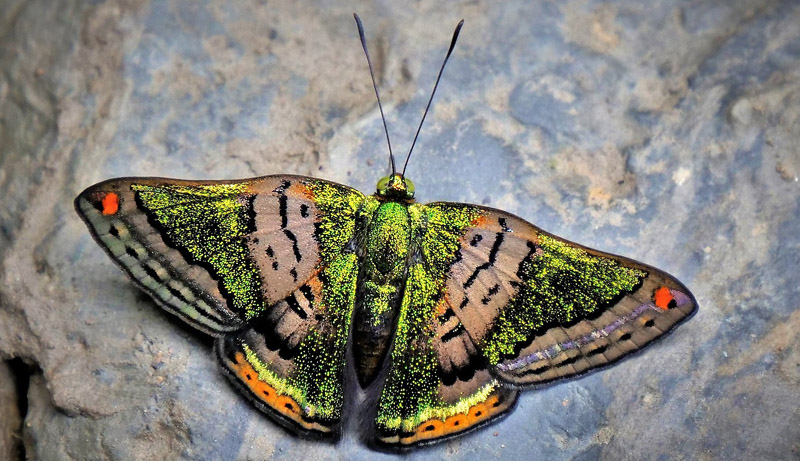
(302, 282)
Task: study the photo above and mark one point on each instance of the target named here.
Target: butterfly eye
(409, 188)
(383, 183)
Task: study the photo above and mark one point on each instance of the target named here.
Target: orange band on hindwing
(283, 404)
(436, 428)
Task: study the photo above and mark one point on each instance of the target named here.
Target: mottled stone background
(667, 131)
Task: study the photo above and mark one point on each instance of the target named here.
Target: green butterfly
(469, 303)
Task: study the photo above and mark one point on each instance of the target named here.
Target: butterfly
(452, 307)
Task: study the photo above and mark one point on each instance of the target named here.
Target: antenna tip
(360, 27)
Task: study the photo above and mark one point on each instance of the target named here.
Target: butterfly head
(396, 187)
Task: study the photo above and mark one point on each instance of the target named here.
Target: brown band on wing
(283, 243)
(483, 280)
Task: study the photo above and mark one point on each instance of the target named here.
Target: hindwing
(439, 384)
(291, 360)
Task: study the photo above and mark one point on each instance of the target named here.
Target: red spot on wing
(110, 203)
(663, 298)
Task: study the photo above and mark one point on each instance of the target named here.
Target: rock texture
(667, 131)
(10, 423)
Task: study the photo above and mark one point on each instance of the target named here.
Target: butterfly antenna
(436, 85)
(375, 85)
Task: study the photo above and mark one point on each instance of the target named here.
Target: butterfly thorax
(385, 251)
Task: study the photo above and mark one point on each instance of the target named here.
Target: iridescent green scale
(461, 305)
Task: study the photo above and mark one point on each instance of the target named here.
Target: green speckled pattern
(386, 248)
(387, 240)
(321, 358)
(339, 206)
(316, 381)
(410, 392)
(562, 284)
(412, 383)
(206, 223)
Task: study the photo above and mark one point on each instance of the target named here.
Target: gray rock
(11, 422)
(666, 131)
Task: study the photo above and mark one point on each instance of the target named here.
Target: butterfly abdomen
(380, 288)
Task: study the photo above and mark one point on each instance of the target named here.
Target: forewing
(265, 264)
(540, 308)
(439, 385)
(215, 253)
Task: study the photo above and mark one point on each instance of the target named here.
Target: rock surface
(667, 131)
(10, 423)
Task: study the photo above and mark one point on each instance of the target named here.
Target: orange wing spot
(457, 422)
(478, 412)
(442, 305)
(110, 203)
(267, 394)
(287, 406)
(479, 221)
(316, 286)
(301, 190)
(663, 298)
(430, 429)
(249, 376)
